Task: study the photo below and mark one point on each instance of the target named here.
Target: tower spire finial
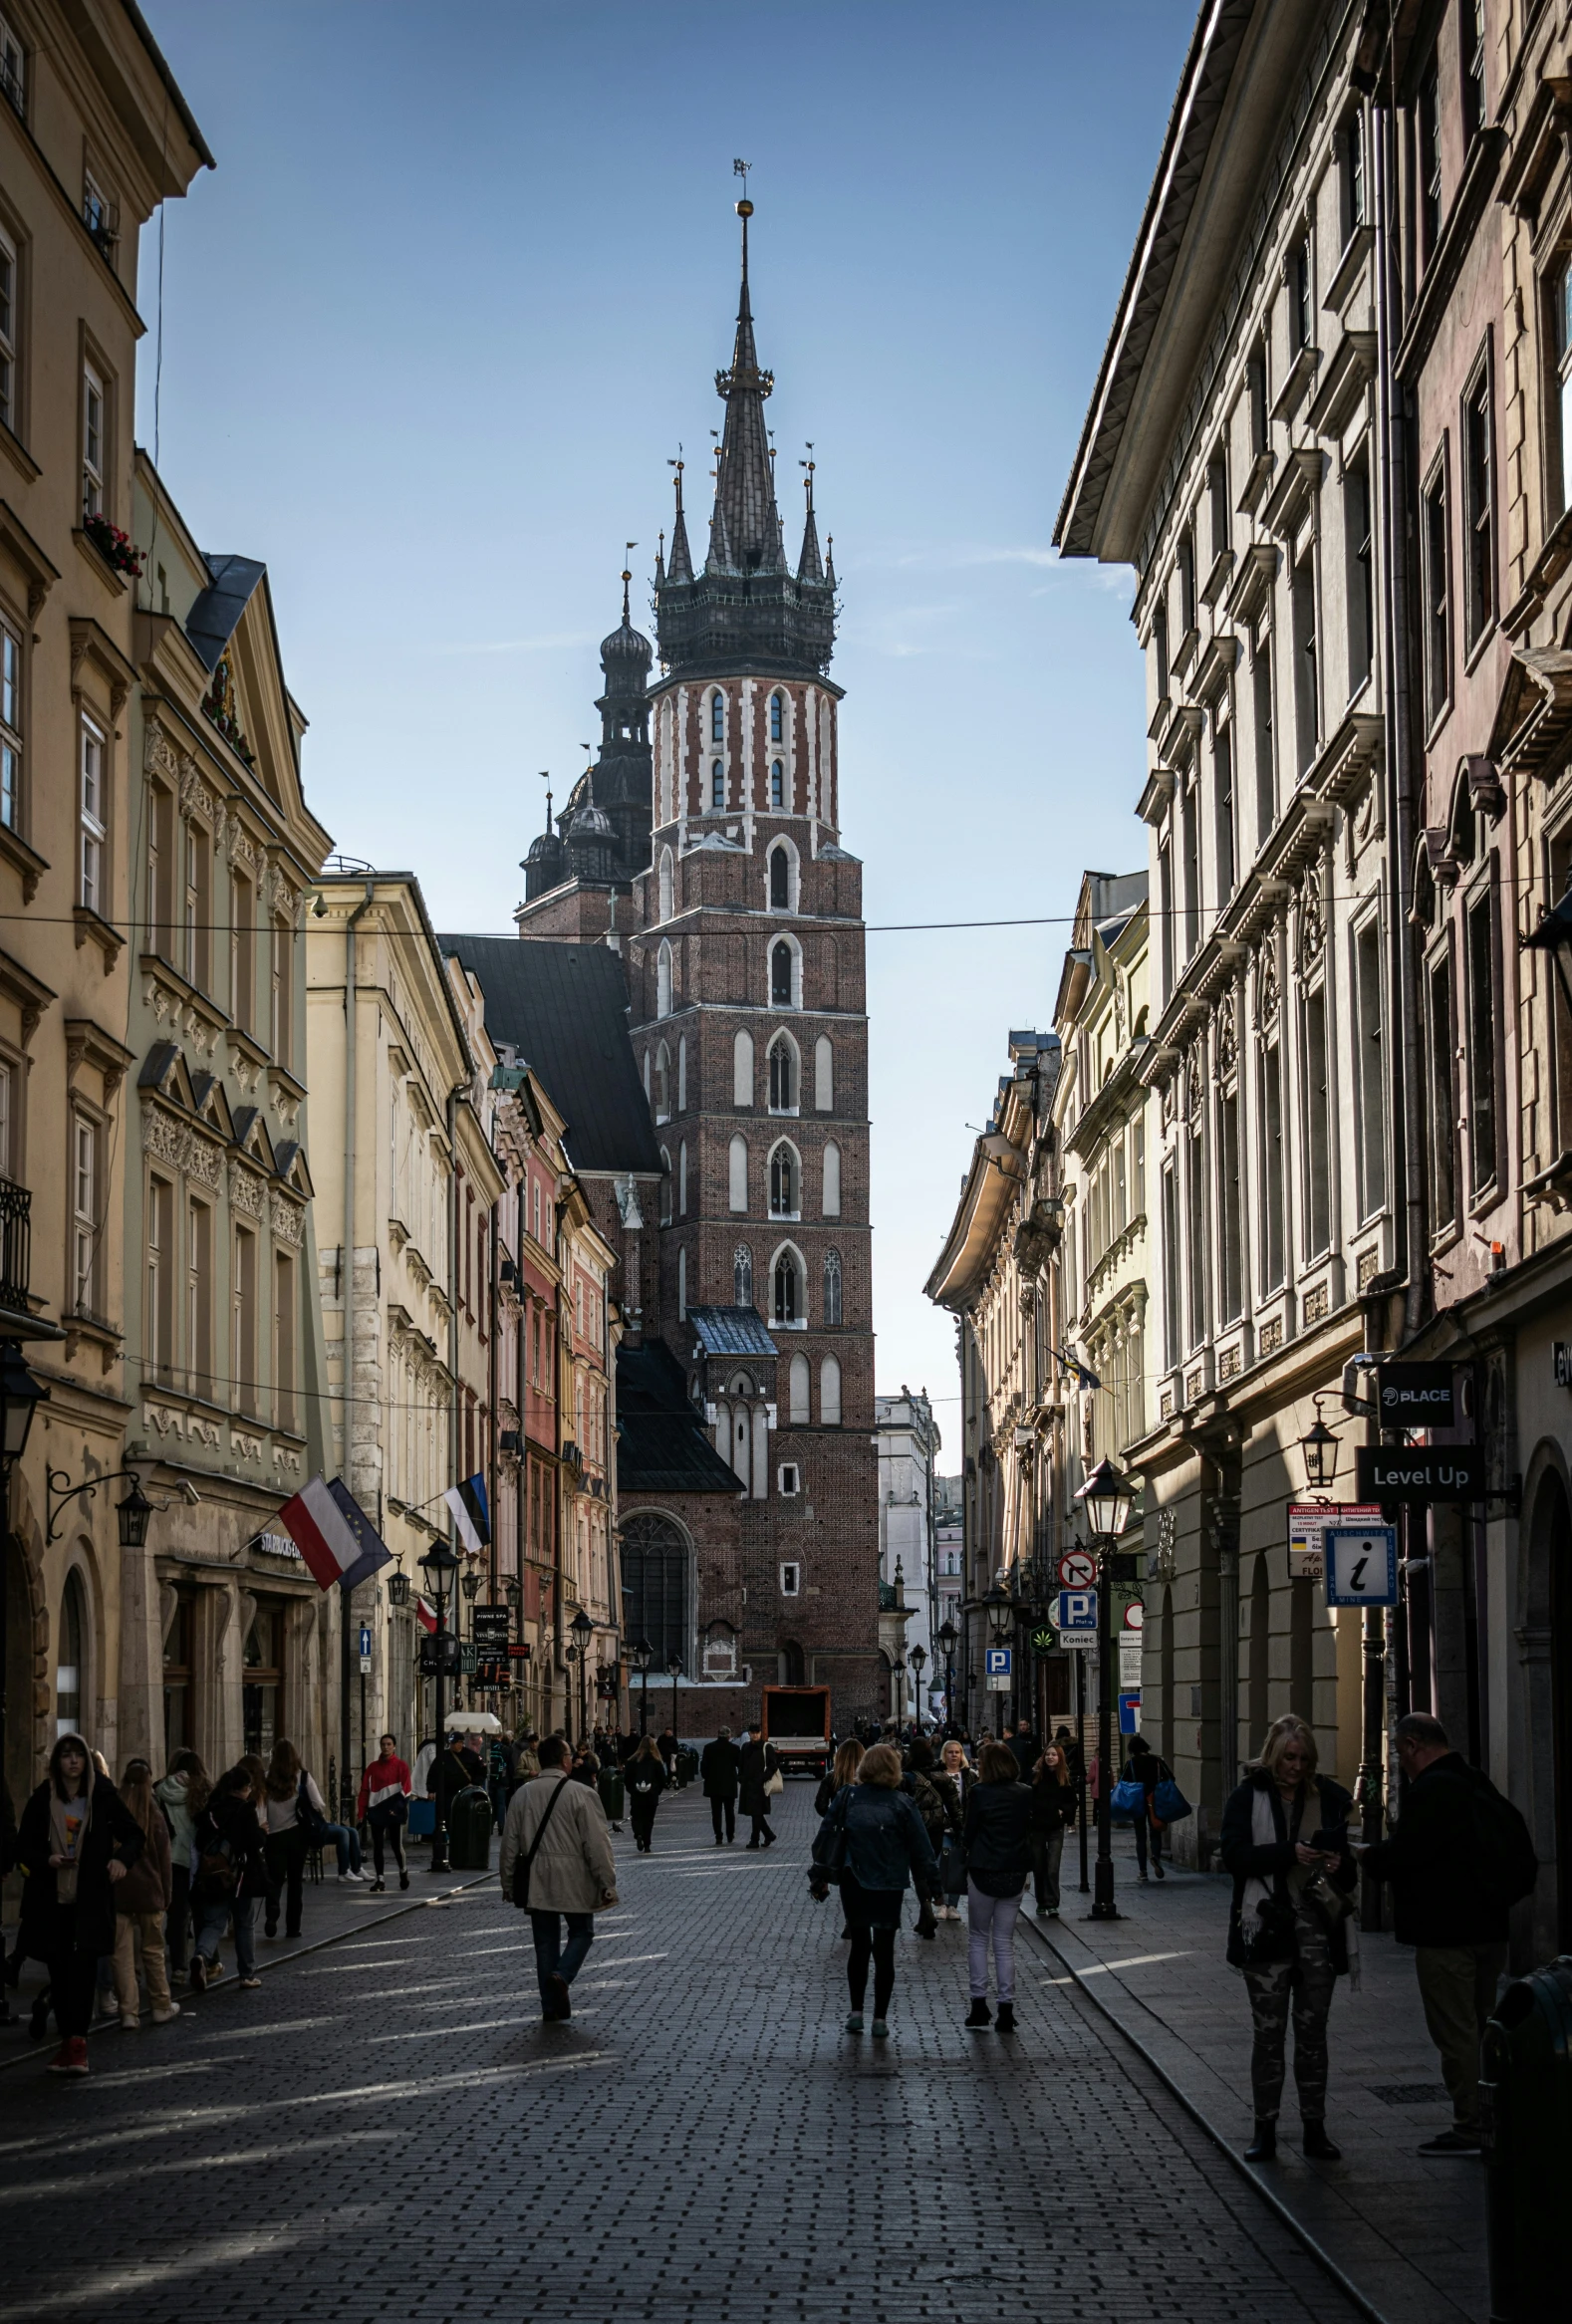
(545, 776)
(681, 565)
(627, 549)
(740, 168)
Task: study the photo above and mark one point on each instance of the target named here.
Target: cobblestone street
(387, 2131)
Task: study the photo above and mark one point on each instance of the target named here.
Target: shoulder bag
(775, 1781)
(522, 1864)
(829, 1846)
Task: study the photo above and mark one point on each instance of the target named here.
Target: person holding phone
(1286, 1840)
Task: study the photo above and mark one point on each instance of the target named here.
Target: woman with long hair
(182, 1794)
(996, 1836)
(1053, 1812)
(75, 1845)
(646, 1780)
(874, 1825)
(952, 1779)
(841, 1772)
(141, 1900)
(385, 1805)
(230, 1874)
(292, 1806)
(1285, 1840)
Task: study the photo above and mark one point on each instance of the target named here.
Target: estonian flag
(334, 1534)
(471, 1513)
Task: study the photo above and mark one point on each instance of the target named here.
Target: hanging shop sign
(1415, 1395)
(1307, 1524)
(1420, 1472)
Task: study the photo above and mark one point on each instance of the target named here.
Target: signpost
(1078, 1569)
(1076, 1615)
(1420, 1472)
(1307, 1524)
(1362, 1565)
(996, 1668)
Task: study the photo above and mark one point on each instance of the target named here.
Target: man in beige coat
(571, 1872)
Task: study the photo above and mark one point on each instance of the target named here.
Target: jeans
(145, 1928)
(553, 1959)
(213, 1918)
(995, 1918)
(881, 1944)
(729, 1809)
(1304, 1985)
(347, 1843)
(1458, 1988)
(1047, 1854)
(286, 1867)
(381, 1833)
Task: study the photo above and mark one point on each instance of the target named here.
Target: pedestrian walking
(668, 1752)
(556, 1865)
(996, 1837)
(230, 1877)
(873, 1837)
(1286, 1840)
(758, 1780)
(1025, 1744)
(1053, 1812)
(384, 1805)
(74, 1844)
(935, 1810)
(1144, 1766)
(526, 1761)
(293, 1808)
(141, 1900)
(953, 1780)
(841, 1772)
(719, 1771)
(1460, 1857)
(646, 1780)
(181, 1794)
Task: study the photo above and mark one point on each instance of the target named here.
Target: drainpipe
(346, 1788)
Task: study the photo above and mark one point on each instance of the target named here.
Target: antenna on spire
(679, 464)
(545, 776)
(807, 483)
(627, 549)
(740, 169)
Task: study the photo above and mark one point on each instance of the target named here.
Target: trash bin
(1525, 2093)
(470, 1823)
(613, 1793)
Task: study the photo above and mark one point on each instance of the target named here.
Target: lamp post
(1001, 1620)
(674, 1664)
(1106, 1497)
(439, 1565)
(946, 1642)
(583, 1628)
(916, 1657)
(643, 1656)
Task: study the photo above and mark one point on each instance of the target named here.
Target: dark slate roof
(564, 1008)
(731, 1331)
(662, 1447)
(215, 616)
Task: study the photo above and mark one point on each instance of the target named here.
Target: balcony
(16, 1241)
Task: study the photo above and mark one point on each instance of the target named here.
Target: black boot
(1317, 2146)
(980, 2015)
(1006, 2021)
(1264, 2147)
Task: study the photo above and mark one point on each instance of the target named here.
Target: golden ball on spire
(744, 209)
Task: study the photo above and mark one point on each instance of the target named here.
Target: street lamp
(132, 1515)
(1000, 1610)
(947, 1638)
(583, 1628)
(643, 1656)
(674, 1664)
(19, 1397)
(1106, 1497)
(398, 1588)
(470, 1585)
(1320, 1448)
(916, 1657)
(439, 1565)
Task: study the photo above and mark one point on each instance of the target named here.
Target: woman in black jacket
(997, 1841)
(231, 1875)
(876, 1826)
(1144, 1768)
(646, 1780)
(1286, 1840)
(75, 1841)
(1053, 1812)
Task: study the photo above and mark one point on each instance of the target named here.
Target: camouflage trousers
(1301, 1986)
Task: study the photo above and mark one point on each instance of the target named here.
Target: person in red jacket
(385, 1804)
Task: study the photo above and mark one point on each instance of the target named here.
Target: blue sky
(456, 292)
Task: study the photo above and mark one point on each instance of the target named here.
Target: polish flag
(425, 1614)
(322, 1532)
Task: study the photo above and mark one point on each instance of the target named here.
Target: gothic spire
(809, 565)
(744, 480)
(681, 566)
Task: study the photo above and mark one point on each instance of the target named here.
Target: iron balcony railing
(16, 1240)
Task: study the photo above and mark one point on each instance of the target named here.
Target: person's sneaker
(979, 2014)
(248, 1985)
(560, 1998)
(162, 2016)
(1043, 1912)
(131, 2020)
(1006, 2021)
(1461, 2139)
(879, 2030)
(70, 2057)
(348, 1875)
(1158, 1872)
(854, 2024)
(198, 1973)
(215, 1970)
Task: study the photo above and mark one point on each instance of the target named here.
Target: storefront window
(262, 1691)
(178, 1680)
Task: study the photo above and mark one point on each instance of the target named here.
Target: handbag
(523, 1863)
(829, 1845)
(774, 1785)
(1127, 1800)
(1168, 1804)
(1273, 1940)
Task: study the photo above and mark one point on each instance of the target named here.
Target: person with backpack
(181, 1795)
(232, 1874)
(1459, 1857)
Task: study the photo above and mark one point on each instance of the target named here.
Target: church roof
(731, 1331)
(564, 1007)
(662, 1447)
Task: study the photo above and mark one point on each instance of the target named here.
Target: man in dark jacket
(757, 1761)
(1455, 1919)
(719, 1771)
(1025, 1744)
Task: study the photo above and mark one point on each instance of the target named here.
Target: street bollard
(1525, 2095)
(470, 1823)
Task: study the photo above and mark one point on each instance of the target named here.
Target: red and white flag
(322, 1533)
(426, 1613)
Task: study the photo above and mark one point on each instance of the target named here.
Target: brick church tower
(745, 969)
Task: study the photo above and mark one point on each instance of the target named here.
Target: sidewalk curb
(281, 1960)
(1245, 2171)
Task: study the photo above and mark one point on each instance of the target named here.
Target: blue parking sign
(998, 1664)
(1078, 1611)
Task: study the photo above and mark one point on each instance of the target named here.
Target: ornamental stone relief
(1194, 1081)
(243, 850)
(170, 1008)
(198, 799)
(1312, 923)
(288, 1219)
(1228, 1041)
(1268, 993)
(245, 1190)
(1169, 1101)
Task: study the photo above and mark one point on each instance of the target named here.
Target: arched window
(829, 1392)
(824, 1075)
(783, 1074)
(717, 785)
(785, 1182)
(799, 1377)
(777, 718)
(69, 1658)
(742, 1069)
(781, 975)
(780, 879)
(739, 1173)
(742, 1276)
(682, 1075)
(832, 1180)
(681, 1286)
(662, 983)
(665, 1187)
(832, 1290)
(655, 1567)
(663, 1083)
(717, 716)
(647, 1077)
(777, 784)
(682, 1179)
(665, 884)
(789, 1302)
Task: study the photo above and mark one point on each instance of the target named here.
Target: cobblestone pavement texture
(385, 2131)
(1408, 2229)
